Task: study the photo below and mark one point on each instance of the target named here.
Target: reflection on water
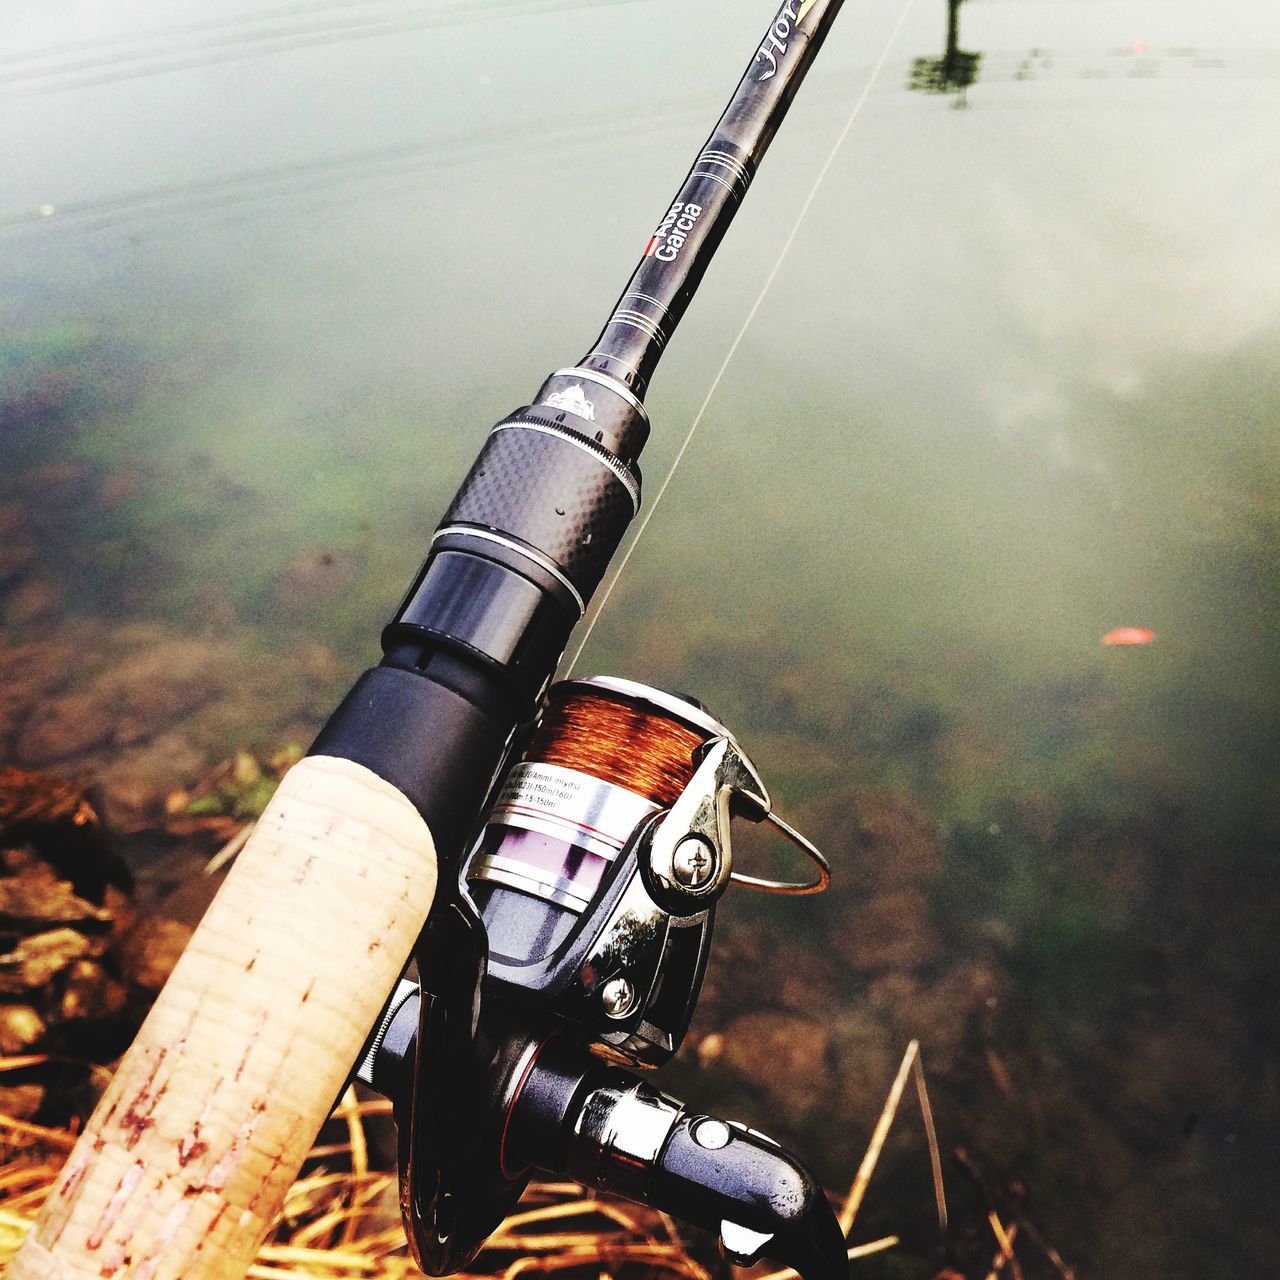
(955, 71)
(268, 274)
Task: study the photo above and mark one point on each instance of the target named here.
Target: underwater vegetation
(1053, 866)
(1083, 948)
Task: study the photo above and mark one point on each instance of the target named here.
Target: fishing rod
(582, 835)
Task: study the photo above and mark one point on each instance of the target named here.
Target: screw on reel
(687, 857)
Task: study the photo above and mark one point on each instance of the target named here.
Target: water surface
(268, 273)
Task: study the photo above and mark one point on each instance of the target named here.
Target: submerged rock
(149, 952)
(788, 1055)
(38, 959)
(135, 782)
(149, 685)
(18, 551)
(34, 599)
(139, 710)
(40, 898)
(29, 674)
(77, 969)
(64, 727)
(892, 930)
(313, 577)
(20, 1028)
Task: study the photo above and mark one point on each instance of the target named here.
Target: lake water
(269, 272)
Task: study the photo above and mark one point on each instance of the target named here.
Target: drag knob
(759, 1197)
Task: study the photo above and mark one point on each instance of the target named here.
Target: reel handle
(554, 1107)
(761, 1200)
(607, 1128)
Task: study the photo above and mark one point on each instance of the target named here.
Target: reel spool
(608, 753)
(604, 853)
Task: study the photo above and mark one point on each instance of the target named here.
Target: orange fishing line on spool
(621, 742)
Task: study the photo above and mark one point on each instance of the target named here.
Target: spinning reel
(571, 947)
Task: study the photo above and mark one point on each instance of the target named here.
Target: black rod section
(530, 533)
(682, 245)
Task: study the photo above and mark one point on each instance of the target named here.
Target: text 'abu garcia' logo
(668, 240)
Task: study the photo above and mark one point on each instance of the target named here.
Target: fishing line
(616, 573)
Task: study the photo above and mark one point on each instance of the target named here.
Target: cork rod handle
(186, 1161)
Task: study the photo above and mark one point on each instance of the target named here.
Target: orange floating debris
(1129, 635)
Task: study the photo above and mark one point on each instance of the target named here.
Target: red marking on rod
(192, 1146)
(651, 246)
(515, 1098)
(74, 1175)
(138, 1117)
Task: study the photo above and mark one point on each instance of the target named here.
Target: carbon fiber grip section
(559, 497)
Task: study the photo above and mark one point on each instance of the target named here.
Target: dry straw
(341, 1222)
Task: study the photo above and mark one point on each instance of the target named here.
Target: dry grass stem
(568, 1209)
(349, 1110)
(59, 1139)
(337, 1223)
(340, 1220)
(854, 1251)
(229, 850)
(853, 1200)
(1006, 1256)
(19, 1062)
(931, 1135)
(661, 1256)
(1059, 1263)
(1001, 1257)
(668, 1225)
(871, 1246)
(11, 1179)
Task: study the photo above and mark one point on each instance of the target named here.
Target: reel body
(573, 945)
(600, 865)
